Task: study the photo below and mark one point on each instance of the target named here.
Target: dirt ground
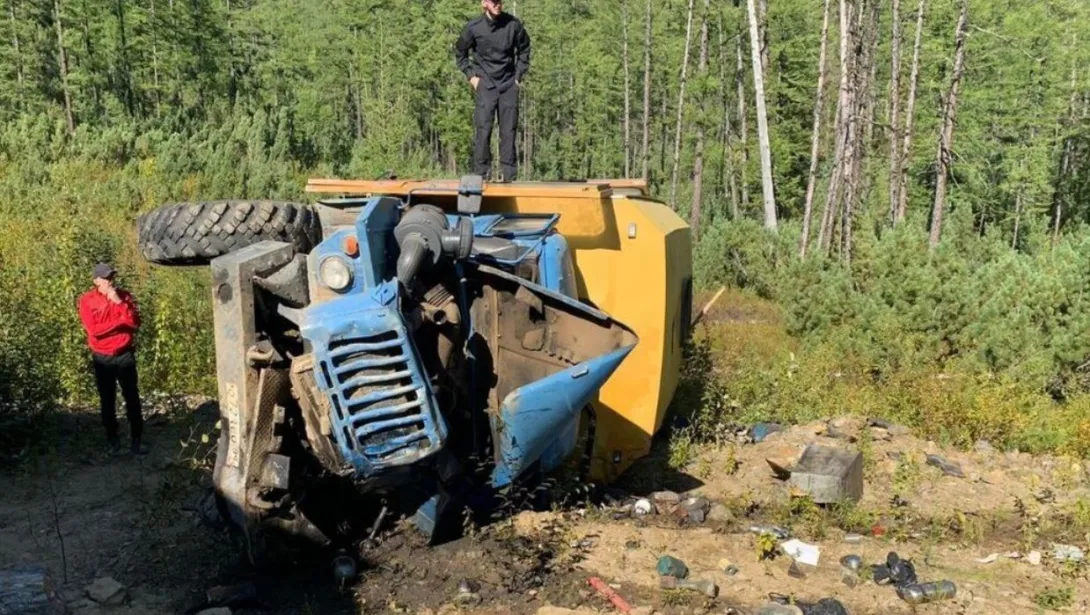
(137, 520)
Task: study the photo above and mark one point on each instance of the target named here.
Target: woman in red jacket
(111, 319)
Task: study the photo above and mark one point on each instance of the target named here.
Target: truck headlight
(335, 273)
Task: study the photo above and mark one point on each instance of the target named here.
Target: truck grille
(379, 398)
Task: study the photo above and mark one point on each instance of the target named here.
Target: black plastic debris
(825, 606)
(896, 571)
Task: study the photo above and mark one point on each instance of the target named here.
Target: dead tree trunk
(698, 156)
(1065, 159)
(762, 122)
(863, 101)
(743, 132)
(895, 111)
(726, 165)
(910, 117)
(646, 153)
(949, 116)
(681, 106)
(627, 95)
(843, 120)
(62, 59)
(16, 48)
(762, 27)
(815, 140)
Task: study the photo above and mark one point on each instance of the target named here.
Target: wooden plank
(450, 187)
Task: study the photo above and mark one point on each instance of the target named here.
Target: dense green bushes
(972, 341)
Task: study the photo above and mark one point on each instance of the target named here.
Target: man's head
(103, 275)
(492, 8)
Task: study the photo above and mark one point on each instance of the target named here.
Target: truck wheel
(195, 233)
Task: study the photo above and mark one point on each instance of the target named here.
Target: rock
(1068, 553)
(1034, 558)
(829, 475)
(719, 513)
(949, 468)
(219, 610)
(231, 595)
(879, 434)
(697, 508)
(665, 501)
(107, 591)
(983, 447)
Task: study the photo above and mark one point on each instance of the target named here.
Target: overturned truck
(427, 344)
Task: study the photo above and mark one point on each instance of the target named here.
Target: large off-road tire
(195, 233)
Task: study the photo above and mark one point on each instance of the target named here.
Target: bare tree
(16, 48)
(743, 132)
(762, 122)
(646, 153)
(895, 111)
(62, 59)
(910, 117)
(843, 121)
(698, 157)
(815, 140)
(762, 27)
(862, 120)
(627, 95)
(949, 116)
(726, 165)
(1065, 159)
(681, 106)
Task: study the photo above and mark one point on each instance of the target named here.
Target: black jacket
(502, 49)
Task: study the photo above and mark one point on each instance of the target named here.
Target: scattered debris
(468, 593)
(772, 530)
(852, 562)
(704, 586)
(927, 592)
(779, 609)
(829, 475)
(1045, 496)
(825, 606)
(853, 539)
(983, 447)
(778, 471)
(28, 590)
(896, 571)
(879, 434)
(1068, 553)
(672, 567)
(642, 507)
(344, 568)
(795, 571)
(801, 552)
(729, 568)
(949, 468)
(1034, 558)
(107, 591)
(608, 593)
(231, 595)
(761, 431)
(994, 556)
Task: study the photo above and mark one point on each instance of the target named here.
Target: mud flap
(550, 355)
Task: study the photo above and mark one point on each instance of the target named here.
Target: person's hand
(112, 296)
(473, 81)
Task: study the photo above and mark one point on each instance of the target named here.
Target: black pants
(502, 101)
(110, 372)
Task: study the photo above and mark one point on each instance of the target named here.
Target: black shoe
(113, 446)
(137, 448)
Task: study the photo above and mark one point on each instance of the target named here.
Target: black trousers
(501, 101)
(109, 373)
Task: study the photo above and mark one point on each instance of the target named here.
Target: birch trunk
(681, 107)
(62, 59)
(646, 153)
(762, 122)
(910, 117)
(698, 157)
(815, 140)
(946, 140)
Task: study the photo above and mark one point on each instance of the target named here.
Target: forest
(899, 186)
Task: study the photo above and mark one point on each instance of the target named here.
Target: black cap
(102, 270)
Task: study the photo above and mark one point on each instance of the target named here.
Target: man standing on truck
(502, 49)
(111, 319)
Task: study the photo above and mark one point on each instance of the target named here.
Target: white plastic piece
(801, 552)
